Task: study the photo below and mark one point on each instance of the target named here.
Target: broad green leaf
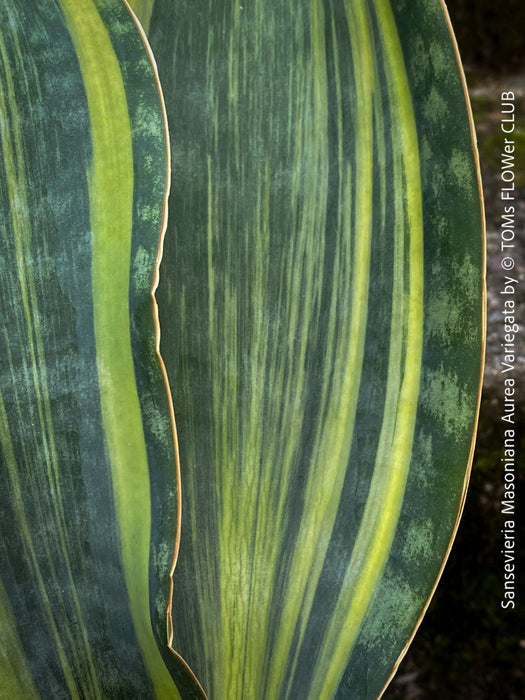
(321, 306)
(88, 484)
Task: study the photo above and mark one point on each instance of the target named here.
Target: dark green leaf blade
(84, 461)
(321, 289)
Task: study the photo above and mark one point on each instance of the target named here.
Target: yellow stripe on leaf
(111, 208)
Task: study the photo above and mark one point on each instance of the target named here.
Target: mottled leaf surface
(321, 304)
(87, 468)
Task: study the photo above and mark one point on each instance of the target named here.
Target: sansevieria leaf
(321, 306)
(88, 484)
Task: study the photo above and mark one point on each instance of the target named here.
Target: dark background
(468, 647)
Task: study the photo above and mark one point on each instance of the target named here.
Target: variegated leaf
(88, 480)
(321, 304)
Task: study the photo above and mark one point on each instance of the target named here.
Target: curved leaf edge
(168, 391)
(160, 360)
(468, 470)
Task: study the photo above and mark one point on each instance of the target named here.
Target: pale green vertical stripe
(333, 438)
(15, 675)
(29, 549)
(16, 680)
(43, 431)
(376, 531)
(111, 208)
